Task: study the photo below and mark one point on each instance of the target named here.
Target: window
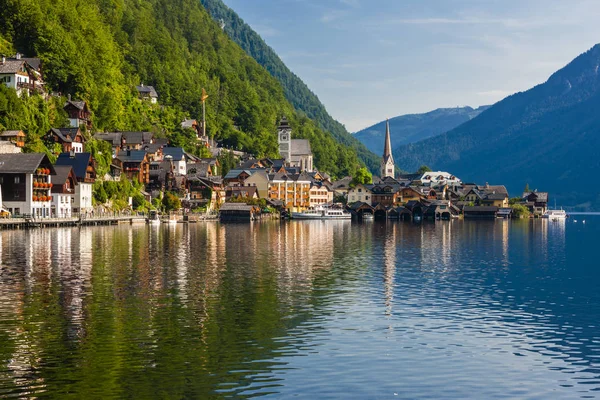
(359, 190)
(17, 179)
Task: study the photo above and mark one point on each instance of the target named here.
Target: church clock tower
(387, 161)
(284, 139)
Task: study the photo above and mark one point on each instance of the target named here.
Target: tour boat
(322, 213)
(555, 215)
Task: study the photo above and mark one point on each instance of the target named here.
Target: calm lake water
(311, 309)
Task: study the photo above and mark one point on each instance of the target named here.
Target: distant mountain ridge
(410, 128)
(295, 90)
(547, 136)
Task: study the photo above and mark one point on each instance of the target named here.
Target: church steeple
(387, 161)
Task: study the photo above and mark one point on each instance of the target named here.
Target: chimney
(72, 153)
(69, 96)
(3, 59)
(18, 56)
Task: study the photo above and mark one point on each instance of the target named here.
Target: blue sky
(372, 59)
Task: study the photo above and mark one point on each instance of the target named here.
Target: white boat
(368, 217)
(322, 213)
(555, 215)
(153, 218)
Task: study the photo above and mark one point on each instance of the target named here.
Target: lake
(306, 309)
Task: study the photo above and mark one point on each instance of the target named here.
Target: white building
(296, 152)
(439, 178)
(25, 179)
(320, 194)
(177, 156)
(63, 191)
(84, 169)
(361, 193)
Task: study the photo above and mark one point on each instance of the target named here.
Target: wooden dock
(28, 222)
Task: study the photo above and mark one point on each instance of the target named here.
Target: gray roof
(149, 90)
(76, 103)
(21, 163)
(189, 123)
(12, 133)
(132, 156)
(300, 147)
(236, 207)
(12, 66)
(62, 173)
(175, 152)
(65, 134)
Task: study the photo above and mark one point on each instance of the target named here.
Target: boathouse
(238, 212)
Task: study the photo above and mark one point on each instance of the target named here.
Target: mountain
(98, 50)
(296, 91)
(546, 137)
(414, 127)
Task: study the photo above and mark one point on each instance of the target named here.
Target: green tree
(171, 202)
(422, 169)
(520, 211)
(362, 176)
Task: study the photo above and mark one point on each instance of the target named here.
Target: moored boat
(322, 213)
(555, 215)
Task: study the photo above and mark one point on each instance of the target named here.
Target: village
(34, 187)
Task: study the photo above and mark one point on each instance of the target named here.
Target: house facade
(360, 193)
(63, 191)
(25, 181)
(79, 114)
(70, 139)
(320, 194)
(85, 172)
(292, 190)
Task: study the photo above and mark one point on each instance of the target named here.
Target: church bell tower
(284, 139)
(387, 161)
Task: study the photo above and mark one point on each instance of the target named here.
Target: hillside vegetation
(98, 50)
(547, 136)
(296, 91)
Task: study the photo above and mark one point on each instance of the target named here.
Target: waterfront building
(260, 180)
(85, 172)
(361, 193)
(536, 202)
(320, 193)
(63, 191)
(25, 182)
(488, 195)
(296, 152)
(292, 190)
(387, 160)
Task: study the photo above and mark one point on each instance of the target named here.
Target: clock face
(283, 137)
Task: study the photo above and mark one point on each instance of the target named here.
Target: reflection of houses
(79, 113)
(146, 92)
(63, 190)
(25, 183)
(68, 138)
(85, 171)
(536, 202)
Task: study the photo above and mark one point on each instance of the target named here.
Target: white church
(295, 152)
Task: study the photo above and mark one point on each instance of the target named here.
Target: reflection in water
(321, 308)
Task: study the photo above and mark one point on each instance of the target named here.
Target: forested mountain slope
(547, 136)
(296, 91)
(98, 50)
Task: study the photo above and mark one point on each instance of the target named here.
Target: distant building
(79, 113)
(296, 152)
(146, 92)
(22, 74)
(387, 161)
(16, 137)
(63, 191)
(70, 139)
